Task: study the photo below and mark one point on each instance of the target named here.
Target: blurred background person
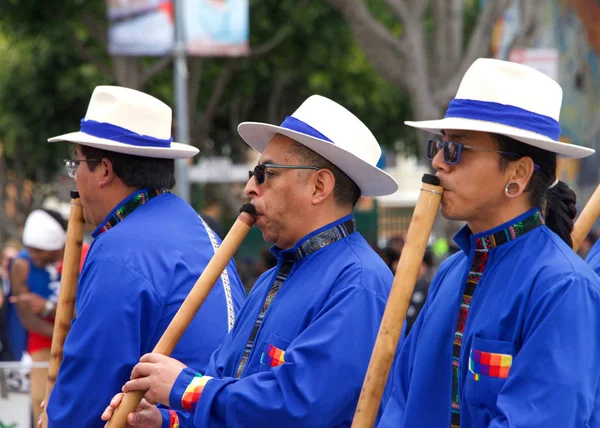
(426, 273)
(34, 281)
(8, 253)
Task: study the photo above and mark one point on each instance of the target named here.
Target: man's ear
(324, 182)
(522, 170)
(108, 173)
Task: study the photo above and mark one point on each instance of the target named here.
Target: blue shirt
(593, 257)
(312, 350)
(135, 277)
(535, 311)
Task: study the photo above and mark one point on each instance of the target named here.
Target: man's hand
(155, 374)
(31, 302)
(145, 416)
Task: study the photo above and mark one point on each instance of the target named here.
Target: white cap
(44, 232)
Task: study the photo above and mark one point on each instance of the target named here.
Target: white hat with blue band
(333, 132)
(510, 99)
(127, 121)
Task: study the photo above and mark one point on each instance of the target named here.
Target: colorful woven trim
(323, 239)
(193, 392)
(489, 364)
(173, 419)
(272, 356)
(130, 206)
(482, 246)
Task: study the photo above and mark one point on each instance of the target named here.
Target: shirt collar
(501, 234)
(318, 239)
(126, 207)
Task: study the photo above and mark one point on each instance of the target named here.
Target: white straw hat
(510, 99)
(127, 121)
(333, 132)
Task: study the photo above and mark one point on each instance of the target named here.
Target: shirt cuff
(169, 418)
(187, 390)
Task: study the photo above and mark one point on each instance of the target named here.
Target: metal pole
(180, 76)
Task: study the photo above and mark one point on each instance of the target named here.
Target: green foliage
(45, 83)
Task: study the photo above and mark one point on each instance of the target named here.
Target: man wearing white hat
(35, 279)
(510, 333)
(301, 345)
(149, 249)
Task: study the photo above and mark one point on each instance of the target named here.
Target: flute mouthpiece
(74, 194)
(248, 208)
(430, 179)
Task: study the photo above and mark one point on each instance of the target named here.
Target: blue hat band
(121, 135)
(504, 114)
(297, 125)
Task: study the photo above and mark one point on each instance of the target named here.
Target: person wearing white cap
(35, 279)
(301, 345)
(509, 335)
(149, 249)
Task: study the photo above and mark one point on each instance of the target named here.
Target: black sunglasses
(259, 170)
(453, 150)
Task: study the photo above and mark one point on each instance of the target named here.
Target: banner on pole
(147, 27)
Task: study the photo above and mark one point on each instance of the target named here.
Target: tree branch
(440, 54)
(272, 43)
(385, 52)
(204, 125)
(400, 10)
(154, 69)
(87, 55)
(96, 28)
(455, 32)
(479, 45)
(418, 7)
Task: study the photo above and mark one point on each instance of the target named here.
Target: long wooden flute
(66, 295)
(394, 315)
(191, 305)
(586, 219)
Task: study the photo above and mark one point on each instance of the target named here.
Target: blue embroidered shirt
(136, 275)
(311, 351)
(530, 346)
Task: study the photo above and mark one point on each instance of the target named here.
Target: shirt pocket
(489, 366)
(272, 352)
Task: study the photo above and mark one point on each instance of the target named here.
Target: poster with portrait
(147, 27)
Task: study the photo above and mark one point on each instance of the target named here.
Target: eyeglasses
(453, 150)
(259, 170)
(71, 165)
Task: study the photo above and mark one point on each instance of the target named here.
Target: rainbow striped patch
(489, 364)
(193, 392)
(173, 419)
(272, 356)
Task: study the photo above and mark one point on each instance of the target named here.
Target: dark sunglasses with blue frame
(453, 151)
(259, 170)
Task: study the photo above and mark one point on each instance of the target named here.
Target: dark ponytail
(561, 210)
(557, 202)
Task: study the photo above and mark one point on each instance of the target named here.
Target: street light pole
(180, 77)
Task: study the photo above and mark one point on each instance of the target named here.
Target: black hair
(345, 190)
(56, 216)
(135, 171)
(557, 203)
